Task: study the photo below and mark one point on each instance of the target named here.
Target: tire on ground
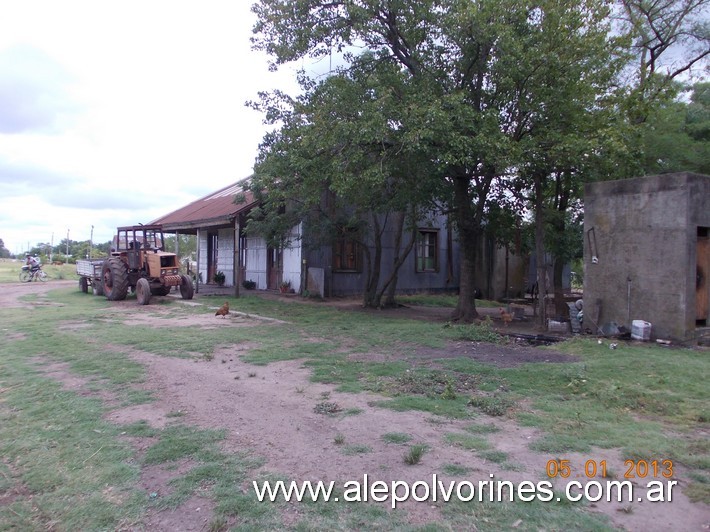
(143, 291)
(186, 288)
(84, 284)
(160, 290)
(114, 278)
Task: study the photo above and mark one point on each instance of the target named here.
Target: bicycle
(27, 275)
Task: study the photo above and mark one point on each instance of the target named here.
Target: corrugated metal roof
(217, 208)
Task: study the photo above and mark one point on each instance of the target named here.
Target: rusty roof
(215, 209)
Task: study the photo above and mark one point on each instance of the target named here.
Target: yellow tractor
(138, 261)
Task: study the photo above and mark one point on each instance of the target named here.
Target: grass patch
(493, 406)
(351, 450)
(414, 455)
(456, 470)
(396, 437)
(467, 441)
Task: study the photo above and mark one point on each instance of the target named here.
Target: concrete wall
(642, 233)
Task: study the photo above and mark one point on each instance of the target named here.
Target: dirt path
(269, 411)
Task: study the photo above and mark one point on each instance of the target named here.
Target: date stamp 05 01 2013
(592, 468)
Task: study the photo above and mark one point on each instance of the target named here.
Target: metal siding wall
(256, 261)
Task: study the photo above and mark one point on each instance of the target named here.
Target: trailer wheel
(97, 287)
(114, 277)
(186, 288)
(143, 291)
(84, 285)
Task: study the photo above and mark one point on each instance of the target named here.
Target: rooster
(507, 317)
(223, 310)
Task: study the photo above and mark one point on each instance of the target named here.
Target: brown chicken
(507, 317)
(223, 310)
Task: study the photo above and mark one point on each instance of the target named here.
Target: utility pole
(67, 259)
(91, 241)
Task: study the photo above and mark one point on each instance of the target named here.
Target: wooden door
(702, 287)
(274, 268)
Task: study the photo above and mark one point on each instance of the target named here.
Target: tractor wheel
(160, 290)
(143, 291)
(114, 277)
(186, 288)
(84, 285)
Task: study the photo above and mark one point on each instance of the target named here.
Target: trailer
(89, 272)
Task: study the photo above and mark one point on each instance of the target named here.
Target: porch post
(197, 273)
(236, 261)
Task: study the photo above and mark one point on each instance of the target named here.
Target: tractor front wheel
(114, 277)
(186, 288)
(143, 291)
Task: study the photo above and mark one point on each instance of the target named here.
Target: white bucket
(641, 330)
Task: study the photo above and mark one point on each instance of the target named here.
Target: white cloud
(116, 114)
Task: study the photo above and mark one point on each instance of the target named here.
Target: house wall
(409, 280)
(225, 255)
(490, 275)
(642, 232)
(256, 262)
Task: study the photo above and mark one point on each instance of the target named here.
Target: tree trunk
(390, 286)
(468, 225)
(540, 252)
(372, 296)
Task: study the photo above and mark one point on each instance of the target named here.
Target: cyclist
(33, 262)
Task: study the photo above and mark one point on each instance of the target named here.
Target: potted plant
(285, 287)
(249, 285)
(219, 278)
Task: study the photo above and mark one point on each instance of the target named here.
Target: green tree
(4, 252)
(340, 162)
(676, 135)
(485, 73)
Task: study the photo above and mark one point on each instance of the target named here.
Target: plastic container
(641, 330)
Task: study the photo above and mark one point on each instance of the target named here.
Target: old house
(328, 270)
(647, 254)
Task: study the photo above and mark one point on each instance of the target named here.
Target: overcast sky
(115, 113)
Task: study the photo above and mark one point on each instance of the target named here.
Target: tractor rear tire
(84, 284)
(114, 277)
(160, 290)
(143, 291)
(186, 288)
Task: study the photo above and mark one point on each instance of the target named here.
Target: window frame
(423, 243)
(353, 258)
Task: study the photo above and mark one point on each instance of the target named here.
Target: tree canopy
(503, 100)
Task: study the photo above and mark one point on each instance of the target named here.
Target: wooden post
(236, 262)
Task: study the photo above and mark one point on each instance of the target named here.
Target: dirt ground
(269, 412)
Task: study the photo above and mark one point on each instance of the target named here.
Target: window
(427, 252)
(346, 253)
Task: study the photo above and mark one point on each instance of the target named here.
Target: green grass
(440, 300)
(396, 437)
(645, 401)
(10, 271)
